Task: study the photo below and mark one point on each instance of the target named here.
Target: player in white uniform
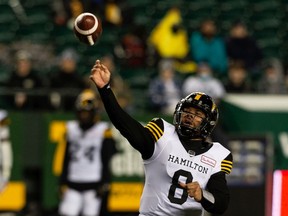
(184, 172)
(5, 150)
(86, 163)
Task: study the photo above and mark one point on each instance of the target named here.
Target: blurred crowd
(164, 60)
(179, 60)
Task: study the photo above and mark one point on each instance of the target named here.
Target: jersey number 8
(176, 185)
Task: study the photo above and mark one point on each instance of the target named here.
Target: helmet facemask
(201, 103)
(189, 124)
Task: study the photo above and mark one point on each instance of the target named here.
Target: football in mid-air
(88, 28)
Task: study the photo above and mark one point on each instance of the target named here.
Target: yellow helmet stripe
(198, 96)
(213, 107)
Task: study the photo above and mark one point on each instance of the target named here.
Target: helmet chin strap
(192, 144)
(188, 133)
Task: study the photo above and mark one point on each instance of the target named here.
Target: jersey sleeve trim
(227, 164)
(155, 130)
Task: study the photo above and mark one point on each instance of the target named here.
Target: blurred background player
(5, 150)
(86, 171)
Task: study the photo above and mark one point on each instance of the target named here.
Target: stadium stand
(266, 19)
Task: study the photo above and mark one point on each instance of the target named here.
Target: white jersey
(6, 156)
(170, 164)
(85, 149)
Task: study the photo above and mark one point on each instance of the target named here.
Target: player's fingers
(97, 64)
(193, 185)
(182, 185)
(94, 70)
(104, 68)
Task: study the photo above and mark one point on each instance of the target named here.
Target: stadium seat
(39, 14)
(36, 32)
(7, 36)
(232, 11)
(6, 14)
(63, 36)
(267, 26)
(4, 72)
(37, 3)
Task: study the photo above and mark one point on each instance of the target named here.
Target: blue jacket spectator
(165, 89)
(207, 46)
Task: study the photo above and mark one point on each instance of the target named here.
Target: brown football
(88, 28)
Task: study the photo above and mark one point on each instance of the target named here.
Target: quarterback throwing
(184, 172)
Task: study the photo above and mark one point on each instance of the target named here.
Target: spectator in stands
(272, 80)
(65, 82)
(65, 11)
(164, 90)
(206, 45)
(241, 46)
(204, 81)
(111, 12)
(117, 13)
(25, 84)
(169, 37)
(131, 49)
(237, 80)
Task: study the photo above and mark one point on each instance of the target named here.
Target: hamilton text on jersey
(188, 163)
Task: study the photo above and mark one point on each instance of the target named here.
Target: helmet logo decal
(198, 96)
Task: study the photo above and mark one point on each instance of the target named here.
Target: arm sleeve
(217, 187)
(138, 136)
(64, 174)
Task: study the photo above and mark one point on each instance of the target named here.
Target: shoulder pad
(156, 128)
(108, 133)
(5, 122)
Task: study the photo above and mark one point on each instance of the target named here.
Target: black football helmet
(87, 101)
(87, 108)
(200, 101)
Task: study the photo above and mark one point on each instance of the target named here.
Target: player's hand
(102, 190)
(100, 74)
(193, 189)
(62, 190)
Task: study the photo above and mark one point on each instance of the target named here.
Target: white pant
(75, 202)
